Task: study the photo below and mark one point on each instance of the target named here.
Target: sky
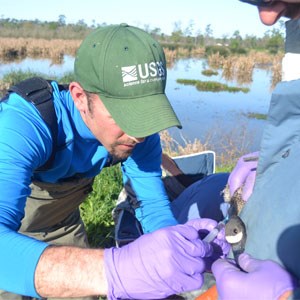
(224, 16)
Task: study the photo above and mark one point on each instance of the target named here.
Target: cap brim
(142, 117)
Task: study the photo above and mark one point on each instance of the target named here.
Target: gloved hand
(158, 264)
(243, 174)
(261, 279)
(221, 249)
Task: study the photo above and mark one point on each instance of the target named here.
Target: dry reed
(173, 148)
(215, 60)
(18, 48)
(172, 55)
(240, 68)
(276, 71)
(229, 146)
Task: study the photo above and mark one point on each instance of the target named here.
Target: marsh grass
(209, 72)
(258, 116)
(276, 71)
(228, 145)
(240, 67)
(55, 49)
(173, 54)
(19, 48)
(212, 86)
(14, 77)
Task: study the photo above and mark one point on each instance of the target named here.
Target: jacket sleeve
(21, 150)
(143, 170)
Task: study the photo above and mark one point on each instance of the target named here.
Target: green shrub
(209, 72)
(222, 50)
(96, 210)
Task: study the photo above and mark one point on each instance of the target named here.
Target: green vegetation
(209, 72)
(213, 49)
(212, 86)
(96, 210)
(16, 76)
(257, 116)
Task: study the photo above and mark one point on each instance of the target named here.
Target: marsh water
(205, 116)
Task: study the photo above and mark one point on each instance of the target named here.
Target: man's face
(104, 128)
(279, 8)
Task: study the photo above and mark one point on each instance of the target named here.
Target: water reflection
(43, 66)
(204, 115)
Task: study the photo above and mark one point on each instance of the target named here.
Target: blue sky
(225, 16)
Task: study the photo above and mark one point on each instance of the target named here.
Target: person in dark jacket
(270, 266)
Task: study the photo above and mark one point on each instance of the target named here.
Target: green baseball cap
(126, 67)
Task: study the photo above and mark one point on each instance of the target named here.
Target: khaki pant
(52, 215)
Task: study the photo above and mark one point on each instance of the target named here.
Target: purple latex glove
(243, 175)
(158, 264)
(262, 279)
(221, 249)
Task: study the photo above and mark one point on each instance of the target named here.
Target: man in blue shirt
(271, 187)
(113, 111)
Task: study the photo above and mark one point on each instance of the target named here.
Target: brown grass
(229, 146)
(18, 48)
(172, 55)
(12, 48)
(276, 71)
(240, 68)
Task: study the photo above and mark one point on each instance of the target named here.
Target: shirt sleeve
(21, 150)
(143, 170)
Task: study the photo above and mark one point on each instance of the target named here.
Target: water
(44, 66)
(217, 114)
(204, 115)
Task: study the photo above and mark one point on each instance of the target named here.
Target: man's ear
(79, 96)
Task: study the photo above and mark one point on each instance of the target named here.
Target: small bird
(235, 229)
(235, 234)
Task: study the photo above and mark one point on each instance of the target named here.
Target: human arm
(143, 171)
(258, 279)
(168, 261)
(25, 144)
(18, 253)
(70, 272)
(243, 175)
(156, 265)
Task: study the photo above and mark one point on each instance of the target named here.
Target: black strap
(39, 92)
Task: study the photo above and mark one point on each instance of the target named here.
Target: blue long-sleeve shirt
(26, 144)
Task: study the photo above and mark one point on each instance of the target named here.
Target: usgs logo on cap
(143, 73)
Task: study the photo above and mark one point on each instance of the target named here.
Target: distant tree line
(272, 41)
